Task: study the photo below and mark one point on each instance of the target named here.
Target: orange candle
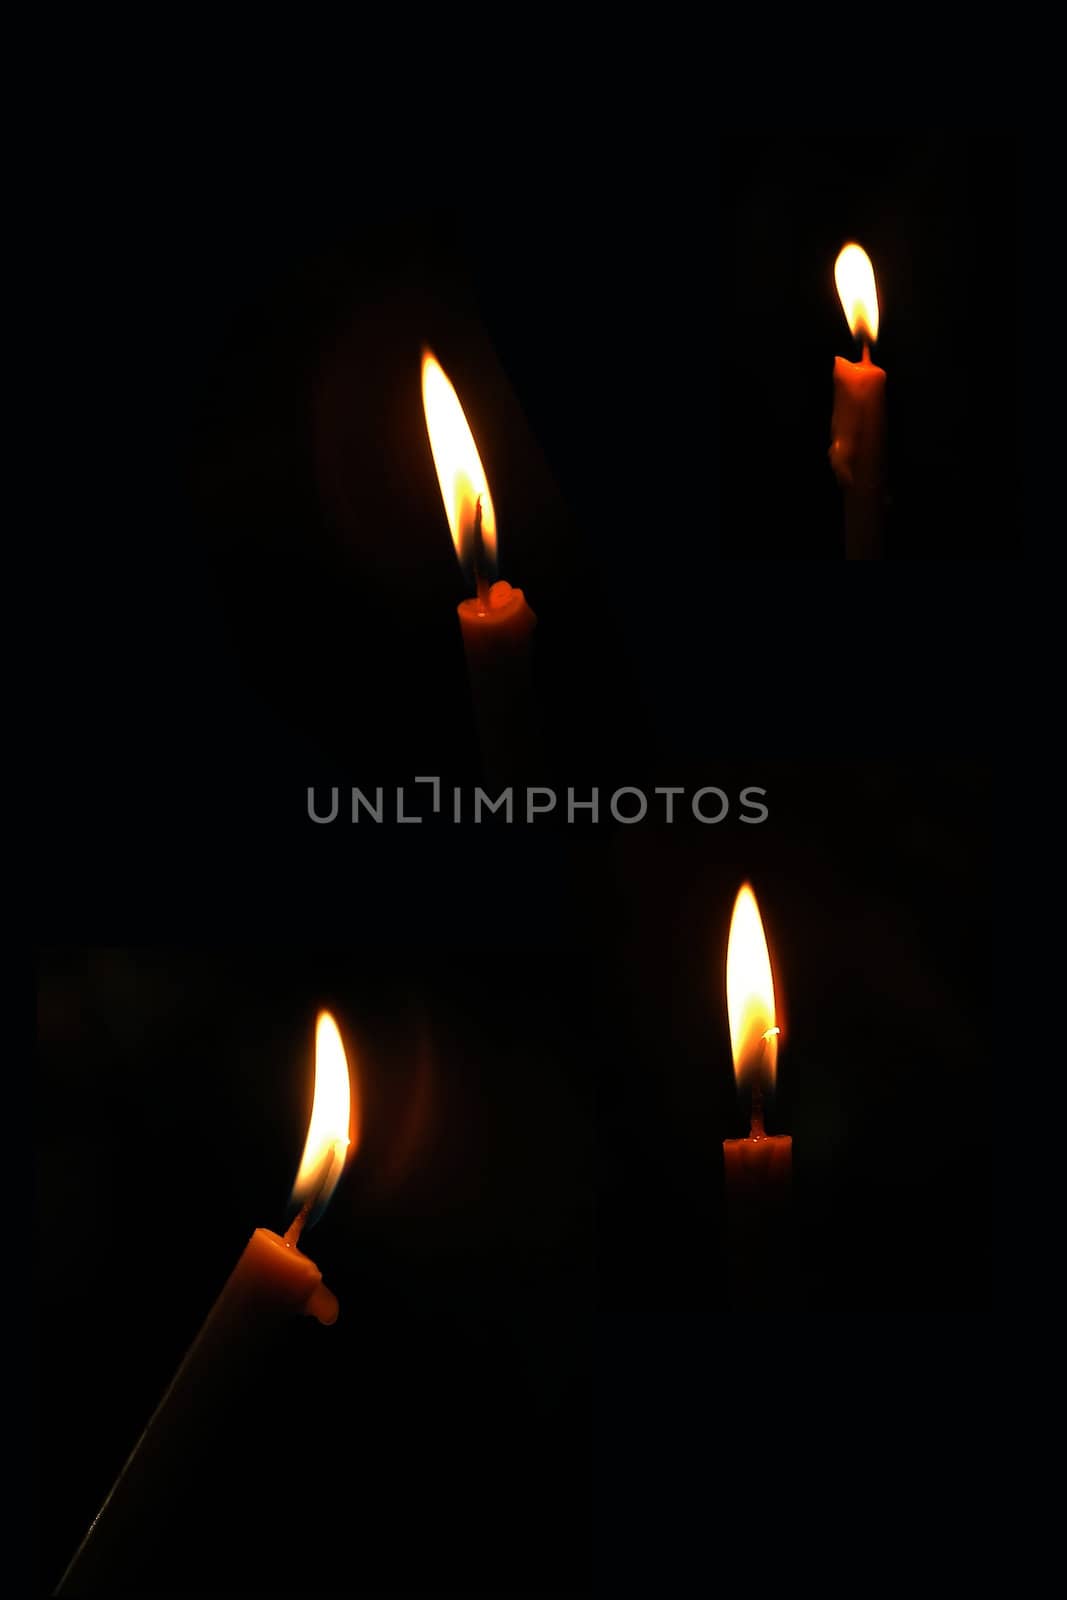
(759, 1168)
(272, 1281)
(857, 426)
(496, 623)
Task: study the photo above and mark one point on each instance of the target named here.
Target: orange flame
(334, 1125)
(459, 466)
(854, 276)
(754, 1032)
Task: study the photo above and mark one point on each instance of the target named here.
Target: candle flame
(459, 466)
(754, 1033)
(854, 276)
(334, 1126)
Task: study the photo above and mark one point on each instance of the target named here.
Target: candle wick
(866, 353)
(296, 1227)
(756, 1129)
(335, 1155)
(481, 578)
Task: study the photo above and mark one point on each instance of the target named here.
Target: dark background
(250, 588)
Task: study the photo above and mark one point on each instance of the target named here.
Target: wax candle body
(758, 1167)
(271, 1282)
(498, 639)
(857, 453)
(758, 1174)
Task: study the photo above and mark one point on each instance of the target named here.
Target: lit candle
(857, 427)
(758, 1169)
(273, 1280)
(496, 623)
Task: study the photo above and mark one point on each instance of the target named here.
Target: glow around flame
(459, 466)
(854, 276)
(750, 994)
(334, 1125)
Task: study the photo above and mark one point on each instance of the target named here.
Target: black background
(235, 612)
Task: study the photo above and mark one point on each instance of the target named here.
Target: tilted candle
(497, 624)
(273, 1280)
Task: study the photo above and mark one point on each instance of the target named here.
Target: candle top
(275, 1271)
(858, 372)
(504, 605)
